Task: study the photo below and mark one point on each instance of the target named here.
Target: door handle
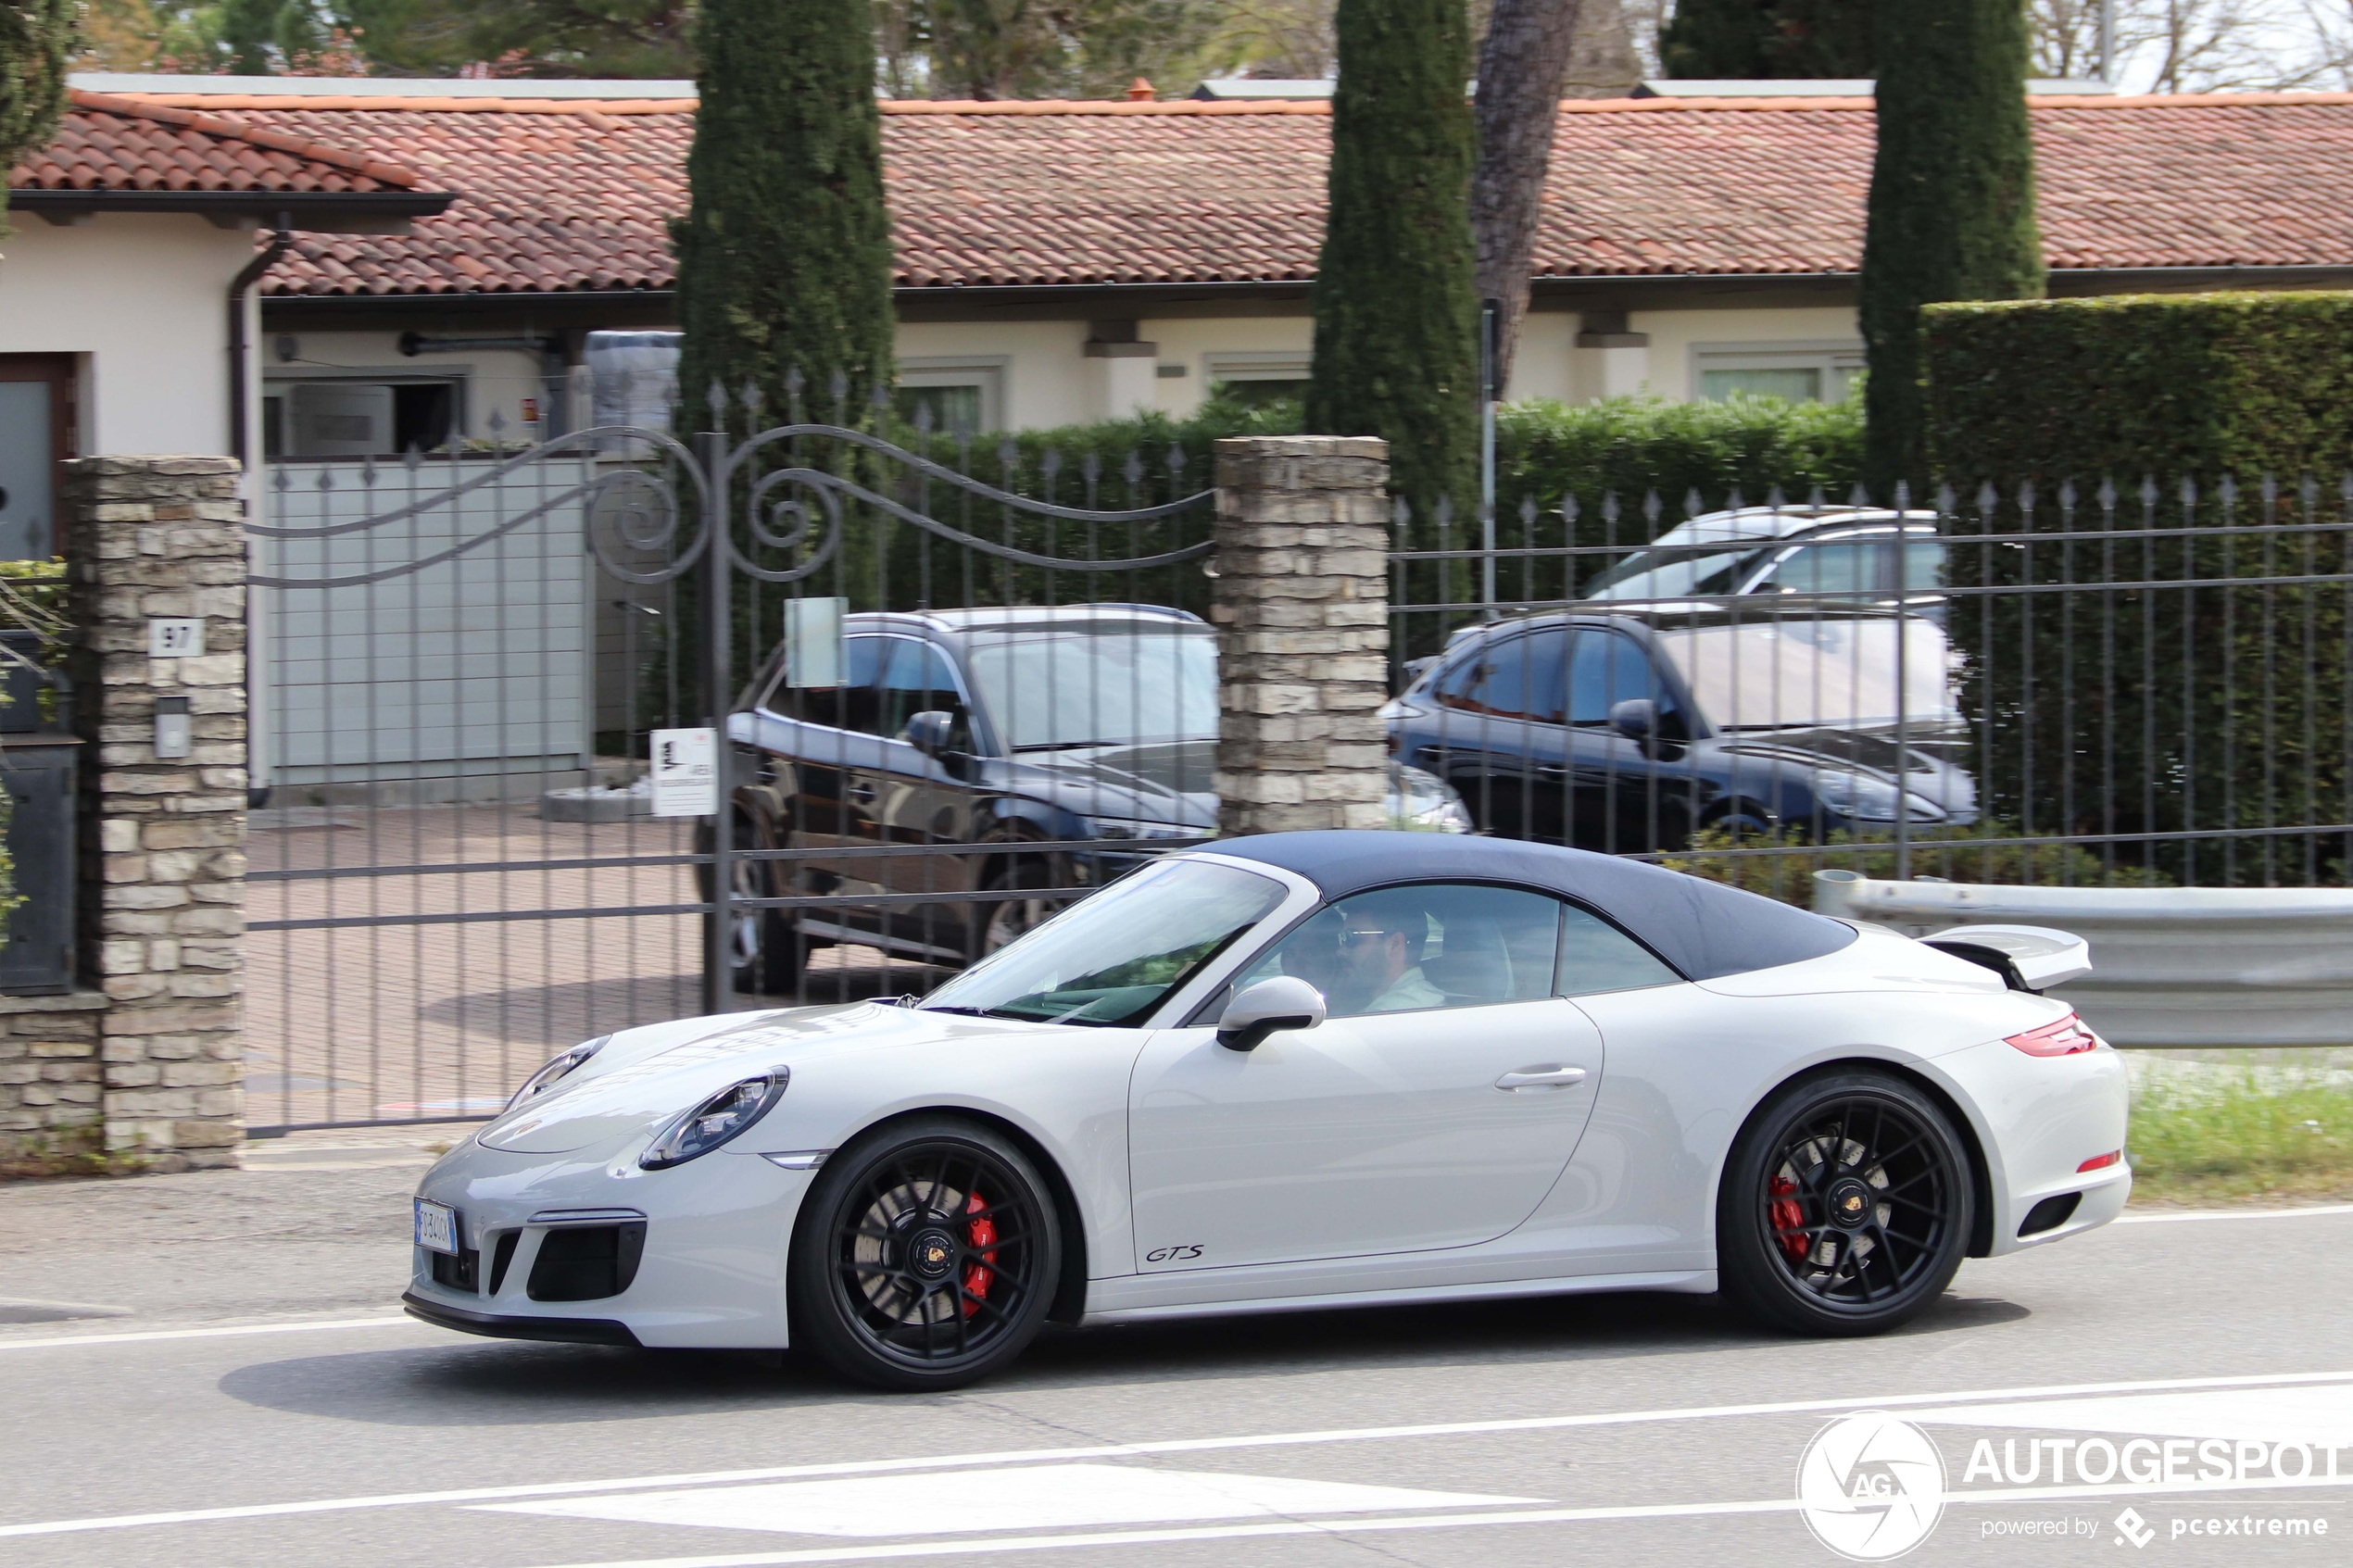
(1541, 1078)
(863, 793)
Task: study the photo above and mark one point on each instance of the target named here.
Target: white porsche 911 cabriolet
(1296, 1071)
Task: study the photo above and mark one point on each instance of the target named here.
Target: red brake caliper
(1788, 1219)
(982, 1235)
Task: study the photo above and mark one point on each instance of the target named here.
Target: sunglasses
(1350, 938)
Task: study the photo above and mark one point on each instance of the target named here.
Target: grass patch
(2273, 1130)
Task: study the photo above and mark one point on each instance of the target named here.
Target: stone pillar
(162, 840)
(1300, 603)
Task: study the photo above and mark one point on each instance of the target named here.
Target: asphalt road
(260, 1403)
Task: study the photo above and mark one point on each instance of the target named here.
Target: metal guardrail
(2176, 966)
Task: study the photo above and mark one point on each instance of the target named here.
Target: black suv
(1626, 729)
(961, 751)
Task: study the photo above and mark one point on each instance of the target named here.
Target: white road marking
(1047, 1497)
(1172, 1445)
(2321, 1416)
(2163, 1218)
(1442, 1522)
(64, 1339)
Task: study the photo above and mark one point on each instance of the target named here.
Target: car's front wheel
(926, 1256)
(1846, 1205)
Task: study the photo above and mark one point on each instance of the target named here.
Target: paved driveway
(264, 1404)
(396, 1019)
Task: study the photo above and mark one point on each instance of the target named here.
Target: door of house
(36, 407)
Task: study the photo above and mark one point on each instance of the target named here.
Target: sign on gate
(685, 773)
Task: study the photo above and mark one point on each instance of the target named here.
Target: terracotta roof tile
(564, 194)
(110, 143)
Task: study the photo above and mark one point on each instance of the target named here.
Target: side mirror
(930, 733)
(1284, 1002)
(1636, 719)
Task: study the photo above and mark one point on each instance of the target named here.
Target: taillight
(2100, 1162)
(2066, 1038)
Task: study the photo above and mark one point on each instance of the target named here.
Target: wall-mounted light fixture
(175, 731)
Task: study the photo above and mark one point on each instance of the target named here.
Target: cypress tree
(783, 257)
(1951, 202)
(1766, 39)
(37, 37)
(1396, 307)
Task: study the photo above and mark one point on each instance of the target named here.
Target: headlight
(1868, 800)
(1131, 827)
(1421, 801)
(539, 1083)
(716, 1119)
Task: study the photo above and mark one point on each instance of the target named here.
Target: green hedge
(2170, 710)
(2202, 383)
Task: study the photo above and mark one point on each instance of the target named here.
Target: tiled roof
(566, 195)
(116, 144)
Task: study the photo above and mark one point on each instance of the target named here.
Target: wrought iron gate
(996, 691)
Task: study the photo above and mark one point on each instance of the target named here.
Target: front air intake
(587, 1262)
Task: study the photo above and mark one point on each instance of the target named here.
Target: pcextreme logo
(1870, 1487)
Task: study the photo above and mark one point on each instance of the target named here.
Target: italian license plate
(437, 1227)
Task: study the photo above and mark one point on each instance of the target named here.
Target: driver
(1381, 957)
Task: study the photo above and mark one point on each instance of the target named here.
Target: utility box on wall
(38, 769)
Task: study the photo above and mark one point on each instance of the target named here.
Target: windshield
(1119, 683)
(1677, 573)
(1814, 673)
(1109, 960)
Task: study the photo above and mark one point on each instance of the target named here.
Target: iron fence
(2043, 682)
(950, 684)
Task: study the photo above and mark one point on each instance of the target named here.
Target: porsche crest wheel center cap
(1849, 1204)
(931, 1252)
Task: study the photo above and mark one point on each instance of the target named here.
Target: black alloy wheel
(926, 1257)
(1846, 1206)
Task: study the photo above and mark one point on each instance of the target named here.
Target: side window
(1834, 567)
(1597, 957)
(916, 678)
(1923, 565)
(1605, 671)
(849, 706)
(1513, 678)
(1404, 950)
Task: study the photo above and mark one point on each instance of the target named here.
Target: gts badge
(1172, 1254)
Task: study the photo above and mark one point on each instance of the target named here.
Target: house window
(1802, 372)
(335, 418)
(1255, 380)
(961, 395)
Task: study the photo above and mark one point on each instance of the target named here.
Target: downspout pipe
(241, 438)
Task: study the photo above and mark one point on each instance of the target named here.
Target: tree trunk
(1521, 69)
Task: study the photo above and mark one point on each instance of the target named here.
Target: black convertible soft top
(1705, 929)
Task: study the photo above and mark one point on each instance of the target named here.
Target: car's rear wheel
(926, 1256)
(1846, 1205)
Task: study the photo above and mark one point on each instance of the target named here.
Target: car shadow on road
(468, 1382)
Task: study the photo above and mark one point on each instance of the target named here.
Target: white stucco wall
(141, 301)
(1041, 375)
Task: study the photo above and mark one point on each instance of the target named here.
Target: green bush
(2156, 709)
(1947, 854)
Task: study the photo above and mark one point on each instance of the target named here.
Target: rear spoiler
(2028, 957)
